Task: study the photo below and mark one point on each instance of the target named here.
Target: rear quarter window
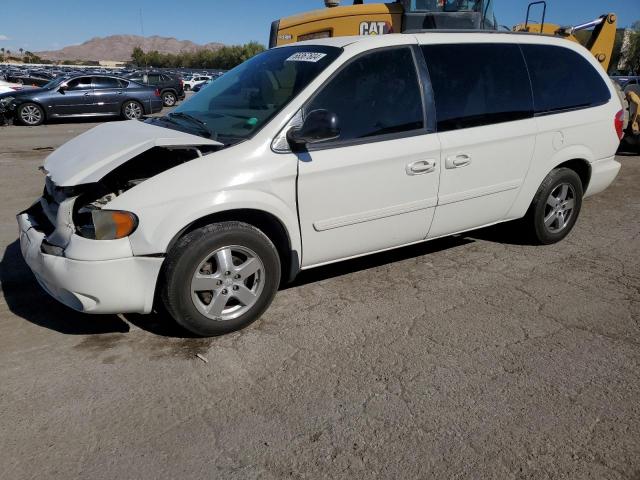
(478, 84)
(562, 79)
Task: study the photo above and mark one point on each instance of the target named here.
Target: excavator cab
(362, 18)
(448, 15)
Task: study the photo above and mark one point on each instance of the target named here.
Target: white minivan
(318, 152)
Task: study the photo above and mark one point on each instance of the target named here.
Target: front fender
(162, 222)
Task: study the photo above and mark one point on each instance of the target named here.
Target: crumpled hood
(93, 154)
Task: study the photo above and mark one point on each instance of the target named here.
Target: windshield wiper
(203, 126)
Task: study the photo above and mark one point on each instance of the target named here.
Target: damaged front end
(79, 249)
(63, 211)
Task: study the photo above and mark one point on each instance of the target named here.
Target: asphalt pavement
(472, 357)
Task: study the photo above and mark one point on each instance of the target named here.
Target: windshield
(55, 82)
(236, 105)
(444, 5)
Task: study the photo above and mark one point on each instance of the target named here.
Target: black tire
(186, 258)
(540, 209)
(125, 110)
(169, 99)
(187, 87)
(30, 110)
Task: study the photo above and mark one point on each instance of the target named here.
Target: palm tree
(21, 50)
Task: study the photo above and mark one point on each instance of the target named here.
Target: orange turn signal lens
(113, 224)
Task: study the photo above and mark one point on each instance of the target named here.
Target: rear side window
(478, 84)
(563, 79)
(376, 94)
(106, 83)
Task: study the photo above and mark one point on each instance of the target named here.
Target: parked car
(199, 86)
(625, 80)
(6, 87)
(196, 79)
(317, 152)
(33, 81)
(84, 96)
(171, 87)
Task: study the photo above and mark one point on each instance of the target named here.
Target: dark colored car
(83, 96)
(32, 80)
(171, 87)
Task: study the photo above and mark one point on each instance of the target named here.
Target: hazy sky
(45, 25)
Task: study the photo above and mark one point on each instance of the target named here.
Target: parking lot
(475, 356)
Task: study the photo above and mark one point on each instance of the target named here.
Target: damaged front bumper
(102, 285)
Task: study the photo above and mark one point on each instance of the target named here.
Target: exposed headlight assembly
(106, 224)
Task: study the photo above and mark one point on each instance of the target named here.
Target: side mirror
(319, 126)
(63, 88)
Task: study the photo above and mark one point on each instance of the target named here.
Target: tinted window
(375, 94)
(478, 84)
(562, 79)
(82, 83)
(105, 82)
(138, 79)
(153, 79)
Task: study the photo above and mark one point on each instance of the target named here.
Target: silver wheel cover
(227, 283)
(559, 208)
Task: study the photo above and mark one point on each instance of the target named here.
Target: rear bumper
(603, 173)
(124, 285)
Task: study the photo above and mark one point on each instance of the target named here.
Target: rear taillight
(181, 83)
(618, 121)
(157, 92)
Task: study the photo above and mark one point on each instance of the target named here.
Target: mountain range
(119, 48)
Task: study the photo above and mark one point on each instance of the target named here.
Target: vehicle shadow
(508, 233)
(26, 299)
(376, 260)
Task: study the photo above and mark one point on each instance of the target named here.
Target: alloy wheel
(132, 111)
(169, 100)
(559, 208)
(227, 283)
(31, 115)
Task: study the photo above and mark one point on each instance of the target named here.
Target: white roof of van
(439, 36)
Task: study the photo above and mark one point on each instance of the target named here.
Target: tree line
(224, 58)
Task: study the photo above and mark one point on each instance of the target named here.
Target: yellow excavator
(418, 15)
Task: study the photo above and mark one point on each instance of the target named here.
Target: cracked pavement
(474, 356)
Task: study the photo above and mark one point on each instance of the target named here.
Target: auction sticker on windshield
(306, 57)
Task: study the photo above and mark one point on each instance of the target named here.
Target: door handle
(457, 161)
(86, 94)
(420, 167)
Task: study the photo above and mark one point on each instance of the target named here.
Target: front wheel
(555, 207)
(132, 110)
(30, 114)
(220, 278)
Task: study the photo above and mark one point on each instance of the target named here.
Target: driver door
(76, 99)
(376, 186)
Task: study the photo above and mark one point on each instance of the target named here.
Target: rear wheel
(132, 110)
(555, 207)
(169, 99)
(30, 114)
(220, 278)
